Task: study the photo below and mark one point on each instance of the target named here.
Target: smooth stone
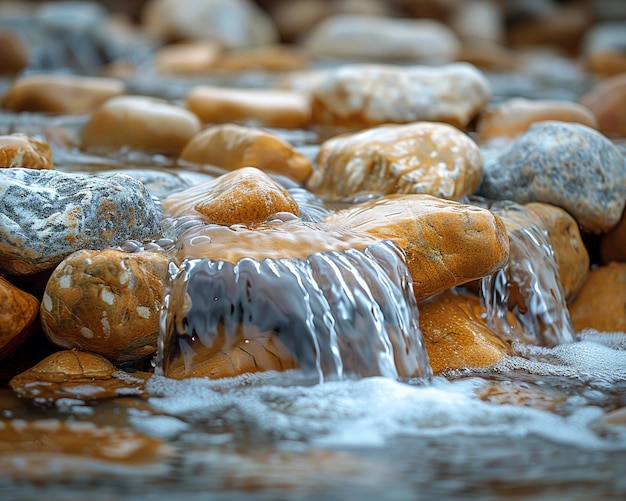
(568, 165)
(19, 312)
(139, 123)
(234, 23)
(456, 334)
(445, 243)
(243, 196)
(13, 53)
(106, 302)
(601, 302)
(231, 146)
(422, 157)
(274, 58)
(77, 375)
(613, 243)
(365, 95)
(604, 48)
(45, 215)
(266, 107)
(488, 55)
(479, 20)
(60, 94)
(521, 393)
(514, 116)
(615, 417)
(381, 38)
(607, 101)
(20, 150)
(188, 58)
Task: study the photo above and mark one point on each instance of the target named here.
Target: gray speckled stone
(47, 215)
(564, 164)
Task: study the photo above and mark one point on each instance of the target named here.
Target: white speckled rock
(45, 215)
(565, 164)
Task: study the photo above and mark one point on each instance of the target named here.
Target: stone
(522, 393)
(613, 243)
(601, 302)
(456, 334)
(13, 53)
(604, 48)
(421, 157)
(188, 58)
(139, 123)
(19, 315)
(607, 101)
(568, 165)
(160, 183)
(445, 243)
(231, 146)
(77, 375)
(46, 215)
(106, 302)
(20, 150)
(266, 107)
(243, 196)
(488, 55)
(60, 94)
(381, 38)
(274, 58)
(514, 116)
(175, 20)
(365, 95)
(479, 20)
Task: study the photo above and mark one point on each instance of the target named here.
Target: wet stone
(139, 123)
(382, 38)
(265, 58)
(445, 243)
(243, 196)
(188, 58)
(607, 100)
(231, 147)
(46, 215)
(568, 165)
(422, 157)
(78, 375)
(106, 302)
(13, 53)
(613, 243)
(365, 95)
(604, 48)
(19, 314)
(456, 334)
(61, 94)
(20, 150)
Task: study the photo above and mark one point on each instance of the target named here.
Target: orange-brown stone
(19, 314)
(264, 58)
(62, 94)
(455, 333)
(607, 101)
(20, 150)
(601, 301)
(446, 243)
(13, 53)
(243, 196)
(188, 58)
(613, 243)
(231, 146)
(422, 157)
(106, 302)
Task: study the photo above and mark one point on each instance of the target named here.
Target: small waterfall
(340, 314)
(529, 284)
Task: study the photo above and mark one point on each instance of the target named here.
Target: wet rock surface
(19, 312)
(20, 150)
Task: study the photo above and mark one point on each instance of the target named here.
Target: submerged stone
(456, 334)
(243, 196)
(564, 164)
(46, 215)
(445, 243)
(20, 150)
(422, 157)
(106, 302)
(19, 312)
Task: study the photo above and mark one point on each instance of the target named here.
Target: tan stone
(489, 55)
(455, 333)
(479, 20)
(62, 94)
(607, 101)
(243, 196)
(231, 146)
(601, 301)
(613, 243)
(514, 116)
(265, 58)
(268, 107)
(106, 302)
(446, 243)
(522, 393)
(140, 123)
(188, 58)
(422, 157)
(365, 95)
(19, 317)
(13, 53)
(606, 62)
(20, 150)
